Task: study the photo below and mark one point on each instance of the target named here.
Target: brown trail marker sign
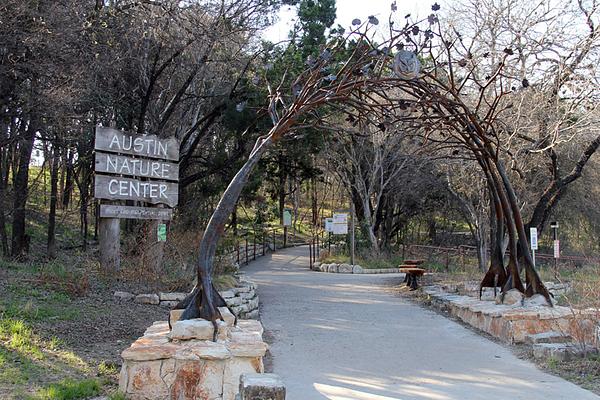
(141, 168)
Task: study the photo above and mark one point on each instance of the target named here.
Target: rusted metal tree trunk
(204, 299)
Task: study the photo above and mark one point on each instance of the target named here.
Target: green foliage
(69, 389)
(17, 335)
(117, 396)
(34, 304)
(107, 368)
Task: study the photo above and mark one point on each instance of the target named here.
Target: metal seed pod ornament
(406, 65)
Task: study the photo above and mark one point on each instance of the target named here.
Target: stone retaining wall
(185, 364)
(513, 323)
(352, 269)
(243, 299)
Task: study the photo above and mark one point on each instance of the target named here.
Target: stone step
(548, 337)
(562, 351)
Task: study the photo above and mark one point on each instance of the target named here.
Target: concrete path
(343, 337)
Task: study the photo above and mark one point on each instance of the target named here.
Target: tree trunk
(51, 244)
(3, 203)
(68, 184)
(21, 183)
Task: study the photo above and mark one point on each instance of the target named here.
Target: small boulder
(172, 296)
(148, 298)
(513, 296)
(333, 268)
(227, 294)
(357, 269)
(125, 296)
(192, 329)
(345, 269)
(261, 386)
(168, 304)
(324, 267)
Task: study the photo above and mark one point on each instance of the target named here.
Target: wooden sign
(115, 141)
(142, 167)
(118, 188)
(113, 211)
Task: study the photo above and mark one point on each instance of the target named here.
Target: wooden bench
(413, 262)
(413, 272)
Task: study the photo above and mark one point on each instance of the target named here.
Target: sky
(347, 10)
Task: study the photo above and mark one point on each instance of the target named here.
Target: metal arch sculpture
(363, 81)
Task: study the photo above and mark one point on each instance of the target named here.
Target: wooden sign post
(141, 168)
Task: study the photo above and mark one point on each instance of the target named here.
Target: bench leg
(414, 284)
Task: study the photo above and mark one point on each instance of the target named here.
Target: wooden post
(310, 254)
(110, 249)
(254, 246)
(246, 249)
(274, 244)
(351, 232)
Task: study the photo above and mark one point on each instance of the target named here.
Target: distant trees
(551, 130)
(169, 67)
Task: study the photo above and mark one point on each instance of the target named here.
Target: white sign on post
(328, 224)
(533, 238)
(340, 223)
(557, 248)
(287, 217)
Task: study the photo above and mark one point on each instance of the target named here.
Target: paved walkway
(343, 337)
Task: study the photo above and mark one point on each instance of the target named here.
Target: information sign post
(533, 238)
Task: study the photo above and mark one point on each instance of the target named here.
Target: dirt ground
(68, 336)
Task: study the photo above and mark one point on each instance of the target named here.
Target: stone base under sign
(185, 364)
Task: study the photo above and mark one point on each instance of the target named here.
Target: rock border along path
(345, 336)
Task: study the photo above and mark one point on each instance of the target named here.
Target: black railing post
(246, 250)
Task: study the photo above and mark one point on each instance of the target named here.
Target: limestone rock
(202, 350)
(357, 269)
(227, 294)
(253, 303)
(149, 298)
(233, 301)
(261, 386)
(168, 303)
(561, 351)
(345, 269)
(247, 295)
(227, 316)
(172, 296)
(243, 289)
(149, 352)
(332, 268)
(547, 337)
(251, 326)
(316, 266)
(234, 369)
(324, 267)
(192, 329)
(511, 297)
(535, 300)
(125, 296)
(252, 315)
